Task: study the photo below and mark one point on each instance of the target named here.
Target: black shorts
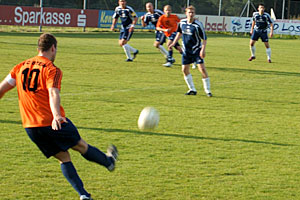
(125, 34)
(160, 37)
(191, 58)
(263, 34)
(50, 141)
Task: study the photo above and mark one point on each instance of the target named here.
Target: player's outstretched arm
(54, 100)
(5, 87)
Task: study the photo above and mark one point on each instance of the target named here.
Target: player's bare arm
(178, 35)
(202, 52)
(162, 29)
(142, 19)
(133, 24)
(54, 100)
(113, 24)
(5, 87)
(272, 30)
(252, 27)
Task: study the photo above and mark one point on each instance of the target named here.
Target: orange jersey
(168, 23)
(33, 79)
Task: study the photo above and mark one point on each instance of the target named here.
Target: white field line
(152, 88)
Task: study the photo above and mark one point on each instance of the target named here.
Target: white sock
(127, 51)
(189, 81)
(133, 50)
(268, 50)
(163, 50)
(206, 85)
(194, 65)
(252, 49)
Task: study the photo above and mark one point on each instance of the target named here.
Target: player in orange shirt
(168, 24)
(38, 83)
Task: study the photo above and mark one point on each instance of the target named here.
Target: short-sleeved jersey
(170, 22)
(192, 33)
(261, 21)
(153, 17)
(126, 15)
(33, 79)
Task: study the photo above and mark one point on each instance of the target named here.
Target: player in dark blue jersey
(192, 32)
(259, 29)
(128, 18)
(152, 16)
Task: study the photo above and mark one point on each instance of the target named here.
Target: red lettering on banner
(209, 26)
(32, 16)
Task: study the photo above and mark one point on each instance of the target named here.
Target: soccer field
(243, 143)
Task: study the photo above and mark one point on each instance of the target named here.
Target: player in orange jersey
(38, 83)
(168, 24)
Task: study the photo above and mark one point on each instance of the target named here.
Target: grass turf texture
(241, 144)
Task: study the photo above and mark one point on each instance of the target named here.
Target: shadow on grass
(268, 72)
(184, 136)
(283, 102)
(165, 134)
(15, 43)
(10, 122)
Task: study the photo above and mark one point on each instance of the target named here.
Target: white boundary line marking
(152, 88)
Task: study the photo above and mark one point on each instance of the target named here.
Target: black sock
(71, 175)
(97, 156)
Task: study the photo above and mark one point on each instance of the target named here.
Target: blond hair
(190, 8)
(167, 6)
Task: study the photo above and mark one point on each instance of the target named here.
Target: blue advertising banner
(105, 20)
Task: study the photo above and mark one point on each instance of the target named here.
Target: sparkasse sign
(31, 16)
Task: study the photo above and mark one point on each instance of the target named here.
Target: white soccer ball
(148, 119)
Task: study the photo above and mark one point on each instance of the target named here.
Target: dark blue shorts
(51, 142)
(172, 38)
(160, 37)
(191, 58)
(263, 34)
(125, 34)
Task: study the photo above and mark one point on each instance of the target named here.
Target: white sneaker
(112, 152)
(209, 94)
(84, 197)
(194, 66)
(168, 64)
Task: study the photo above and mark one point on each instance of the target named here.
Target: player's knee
(81, 146)
(122, 43)
(63, 156)
(156, 45)
(202, 69)
(185, 70)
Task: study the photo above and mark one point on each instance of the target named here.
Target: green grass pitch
(241, 144)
